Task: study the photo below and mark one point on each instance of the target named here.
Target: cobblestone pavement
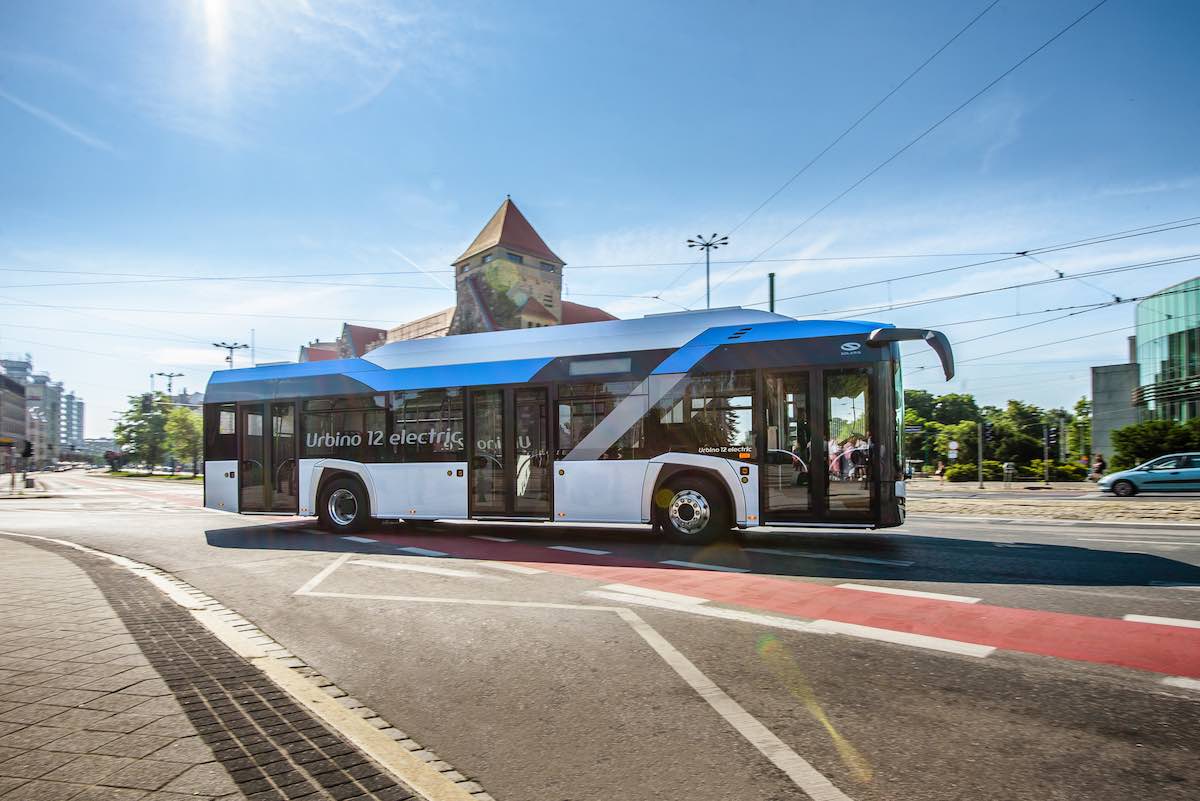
(1181, 511)
(110, 692)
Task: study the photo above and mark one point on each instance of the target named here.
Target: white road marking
(937, 596)
(806, 777)
(1015, 545)
(522, 569)
(1179, 585)
(832, 557)
(436, 571)
(324, 574)
(662, 595)
(905, 638)
(1164, 621)
(754, 618)
(1136, 542)
(359, 539)
(573, 549)
(1180, 681)
(492, 539)
(415, 551)
(702, 566)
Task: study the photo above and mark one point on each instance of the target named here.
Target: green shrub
(961, 472)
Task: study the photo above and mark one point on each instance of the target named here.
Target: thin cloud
(58, 122)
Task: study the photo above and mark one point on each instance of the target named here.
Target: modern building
(1161, 380)
(12, 420)
(72, 422)
(1168, 353)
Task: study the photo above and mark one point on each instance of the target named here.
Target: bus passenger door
(510, 459)
(786, 472)
(850, 451)
(252, 449)
(267, 474)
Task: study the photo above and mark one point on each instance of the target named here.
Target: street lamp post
(231, 347)
(707, 245)
(171, 380)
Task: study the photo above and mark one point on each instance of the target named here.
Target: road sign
(913, 429)
(7, 442)
(953, 445)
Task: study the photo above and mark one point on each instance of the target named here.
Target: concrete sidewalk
(111, 692)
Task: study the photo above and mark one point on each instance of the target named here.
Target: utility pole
(1046, 453)
(231, 347)
(252, 361)
(979, 450)
(170, 381)
(771, 291)
(707, 245)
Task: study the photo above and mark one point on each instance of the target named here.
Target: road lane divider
(429, 569)
(937, 596)
(1165, 621)
(704, 566)
(490, 538)
(832, 557)
(576, 549)
(630, 589)
(522, 569)
(422, 551)
(359, 539)
(1181, 682)
(1102, 640)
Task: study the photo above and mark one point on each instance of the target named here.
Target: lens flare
(771, 650)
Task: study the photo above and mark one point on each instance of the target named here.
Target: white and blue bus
(697, 423)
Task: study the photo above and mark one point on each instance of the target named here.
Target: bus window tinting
(352, 427)
(711, 413)
(220, 439)
(427, 426)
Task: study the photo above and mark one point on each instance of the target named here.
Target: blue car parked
(1177, 472)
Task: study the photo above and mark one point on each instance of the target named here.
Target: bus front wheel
(693, 511)
(344, 506)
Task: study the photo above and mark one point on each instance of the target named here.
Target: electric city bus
(698, 423)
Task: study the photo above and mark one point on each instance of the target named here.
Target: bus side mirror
(936, 340)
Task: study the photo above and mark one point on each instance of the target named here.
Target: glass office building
(1168, 353)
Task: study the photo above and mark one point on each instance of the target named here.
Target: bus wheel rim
(689, 511)
(343, 507)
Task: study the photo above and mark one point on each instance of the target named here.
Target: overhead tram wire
(915, 140)
(957, 296)
(862, 117)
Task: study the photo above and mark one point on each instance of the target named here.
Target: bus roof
(514, 356)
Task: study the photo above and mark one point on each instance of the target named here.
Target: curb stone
(294, 676)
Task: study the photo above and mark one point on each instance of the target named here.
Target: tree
(920, 402)
(1025, 417)
(141, 428)
(1144, 441)
(1079, 432)
(954, 408)
(184, 431)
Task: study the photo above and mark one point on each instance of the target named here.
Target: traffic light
(146, 402)
(27, 451)
(989, 433)
(1052, 438)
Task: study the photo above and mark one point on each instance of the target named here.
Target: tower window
(547, 266)
(513, 257)
(488, 257)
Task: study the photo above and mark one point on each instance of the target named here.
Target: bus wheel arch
(692, 506)
(343, 502)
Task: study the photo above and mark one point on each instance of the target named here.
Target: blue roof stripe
(302, 369)
(518, 371)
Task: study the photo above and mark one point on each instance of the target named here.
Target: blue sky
(247, 138)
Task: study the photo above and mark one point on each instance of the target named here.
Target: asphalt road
(599, 672)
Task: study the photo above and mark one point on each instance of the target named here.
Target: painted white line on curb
(702, 566)
(1164, 621)
(936, 596)
(436, 571)
(492, 539)
(1015, 545)
(905, 638)
(805, 776)
(359, 539)
(662, 595)
(1180, 681)
(324, 574)
(832, 557)
(573, 549)
(522, 569)
(415, 551)
(1136, 542)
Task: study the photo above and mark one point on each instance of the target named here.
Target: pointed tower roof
(509, 227)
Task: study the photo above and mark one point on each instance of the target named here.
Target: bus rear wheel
(344, 506)
(693, 511)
